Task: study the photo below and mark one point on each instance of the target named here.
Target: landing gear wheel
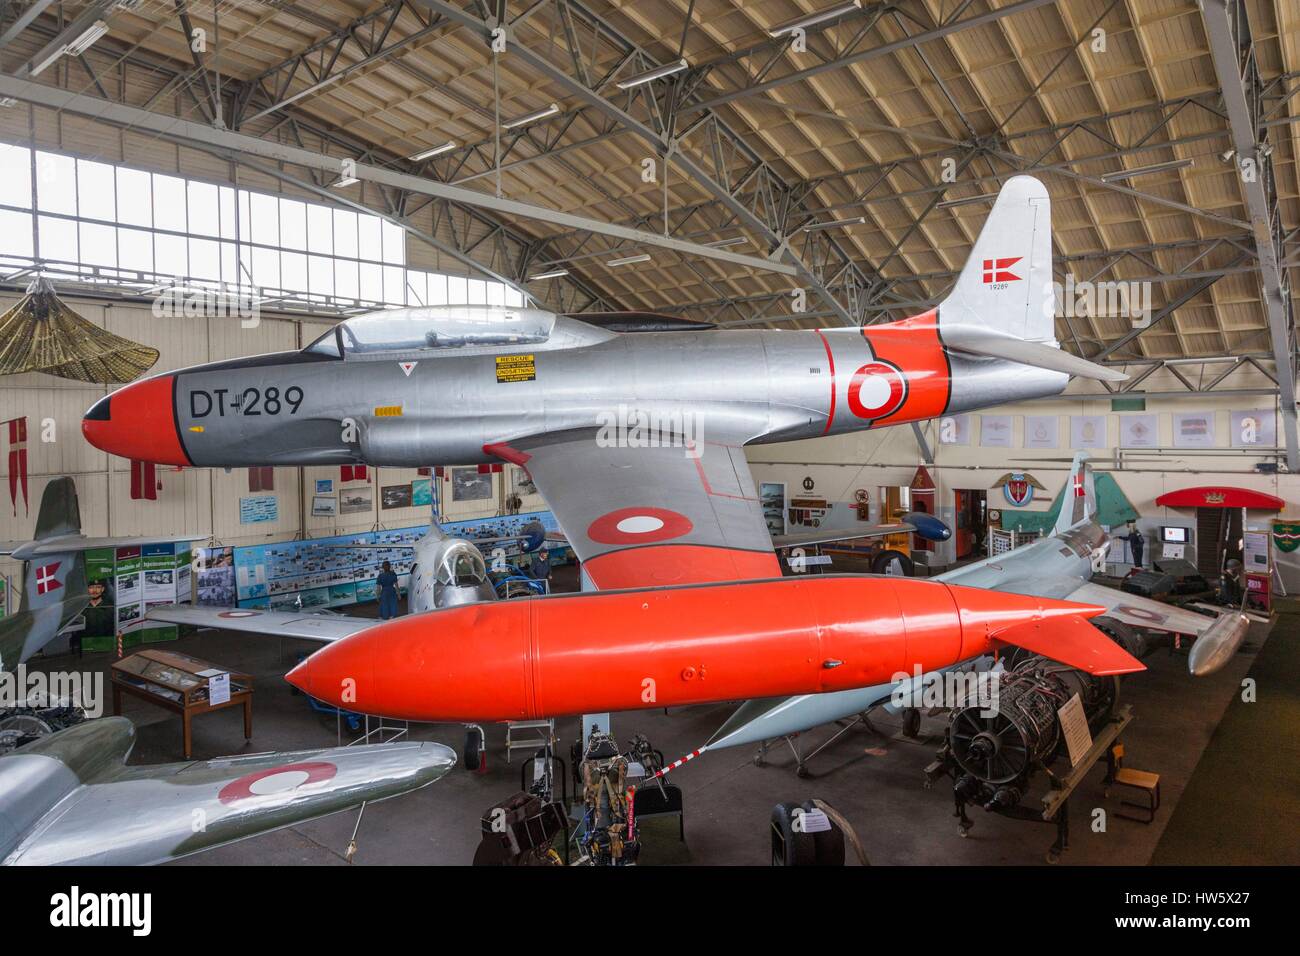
(1053, 857)
(475, 750)
(790, 848)
(911, 722)
(802, 772)
(828, 845)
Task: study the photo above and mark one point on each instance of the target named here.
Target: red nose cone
(138, 421)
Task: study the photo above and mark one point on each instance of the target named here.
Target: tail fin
(1006, 284)
(60, 514)
(1003, 305)
(1079, 504)
(54, 584)
(48, 579)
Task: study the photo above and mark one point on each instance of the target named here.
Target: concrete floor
(875, 779)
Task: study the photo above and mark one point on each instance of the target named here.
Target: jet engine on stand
(997, 746)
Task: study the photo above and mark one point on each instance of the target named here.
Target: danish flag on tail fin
(46, 580)
(1002, 305)
(997, 270)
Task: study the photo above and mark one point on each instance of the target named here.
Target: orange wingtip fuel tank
(625, 650)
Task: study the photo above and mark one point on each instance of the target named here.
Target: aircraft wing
(1217, 638)
(113, 814)
(649, 517)
(26, 550)
(804, 539)
(1142, 612)
(312, 627)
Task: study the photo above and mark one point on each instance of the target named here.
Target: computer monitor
(1172, 534)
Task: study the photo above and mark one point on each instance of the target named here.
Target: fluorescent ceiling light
(345, 181)
(45, 64)
(428, 153)
(821, 16)
(1144, 170)
(553, 274)
(969, 200)
(628, 260)
(87, 39)
(531, 117)
(649, 76)
(835, 224)
(720, 243)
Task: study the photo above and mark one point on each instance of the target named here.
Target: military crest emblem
(1286, 536)
(1018, 487)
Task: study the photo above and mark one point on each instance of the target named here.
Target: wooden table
(179, 683)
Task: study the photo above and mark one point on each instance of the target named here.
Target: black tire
(911, 721)
(881, 562)
(473, 748)
(1124, 634)
(788, 847)
(828, 845)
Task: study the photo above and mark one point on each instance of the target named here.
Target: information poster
(995, 431)
(1042, 431)
(1087, 431)
(1138, 431)
(129, 590)
(422, 492)
(258, 508)
(1257, 427)
(954, 430)
(1193, 429)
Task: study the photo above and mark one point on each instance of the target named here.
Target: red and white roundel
(639, 526)
(277, 780)
(876, 390)
(238, 613)
(1142, 613)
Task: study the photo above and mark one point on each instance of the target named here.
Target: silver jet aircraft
(635, 438)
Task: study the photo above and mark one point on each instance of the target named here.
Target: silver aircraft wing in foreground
(70, 798)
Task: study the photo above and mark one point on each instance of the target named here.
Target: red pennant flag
(345, 473)
(18, 462)
(360, 473)
(150, 479)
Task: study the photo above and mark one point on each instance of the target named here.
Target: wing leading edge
(324, 628)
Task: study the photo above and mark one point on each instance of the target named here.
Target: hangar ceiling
(856, 156)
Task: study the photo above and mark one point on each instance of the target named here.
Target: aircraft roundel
(876, 390)
(1142, 613)
(639, 526)
(276, 780)
(233, 614)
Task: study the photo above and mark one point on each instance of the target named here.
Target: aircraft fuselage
(449, 405)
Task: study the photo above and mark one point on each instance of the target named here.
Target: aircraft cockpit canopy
(434, 327)
(462, 567)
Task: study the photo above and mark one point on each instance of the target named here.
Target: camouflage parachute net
(42, 334)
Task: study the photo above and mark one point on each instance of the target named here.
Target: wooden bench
(1142, 782)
